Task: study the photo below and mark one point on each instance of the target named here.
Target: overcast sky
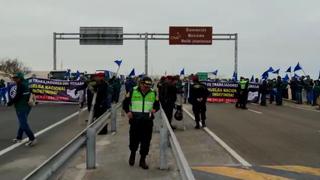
(276, 33)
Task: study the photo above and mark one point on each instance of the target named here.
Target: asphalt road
(272, 135)
(20, 161)
(40, 117)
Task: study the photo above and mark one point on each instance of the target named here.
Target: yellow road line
(298, 169)
(239, 173)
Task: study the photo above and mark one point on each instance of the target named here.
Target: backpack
(178, 115)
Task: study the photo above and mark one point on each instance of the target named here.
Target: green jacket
(21, 99)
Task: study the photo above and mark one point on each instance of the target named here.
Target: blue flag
(234, 76)
(276, 71)
(118, 62)
(182, 72)
(296, 76)
(270, 70)
(67, 74)
(265, 75)
(288, 70)
(77, 76)
(252, 78)
(132, 73)
(286, 78)
(297, 68)
(215, 72)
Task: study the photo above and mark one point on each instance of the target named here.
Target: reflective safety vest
(140, 104)
(243, 84)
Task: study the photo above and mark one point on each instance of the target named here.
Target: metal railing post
(91, 148)
(157, 122)
(91, 114)
(164, 140)
(113, 118)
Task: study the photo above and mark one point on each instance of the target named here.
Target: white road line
(223, 144)
(302, 108)
(12, 147)
(258, 112)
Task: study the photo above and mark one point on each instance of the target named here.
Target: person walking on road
(168, 97)
(243, 92)
(198, 98)
(103, 100)
(20, 102)
(263, 89)
(279, 87)
(140, 105)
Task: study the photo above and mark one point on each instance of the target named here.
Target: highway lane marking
(258, 112)
(297, 169)
(239, 173)
(223, 144)
(302, 108)
(12, 147)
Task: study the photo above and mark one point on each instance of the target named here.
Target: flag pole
(117, 71)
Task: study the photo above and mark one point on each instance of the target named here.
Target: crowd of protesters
(296, 89)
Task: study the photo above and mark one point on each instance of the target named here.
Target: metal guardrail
(87, 136)
(167, 134)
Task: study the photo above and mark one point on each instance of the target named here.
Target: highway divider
(167, 137)
(85, 137)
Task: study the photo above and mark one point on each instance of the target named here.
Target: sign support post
(236, 53)
(54, 52)
(146, 54)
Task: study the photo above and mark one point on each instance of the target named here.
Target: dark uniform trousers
(199, 110)
(140, 133)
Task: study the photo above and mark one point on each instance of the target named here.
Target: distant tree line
(9, 67)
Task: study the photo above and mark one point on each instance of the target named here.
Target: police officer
(198, 98)
(140, 105)
(243, 92)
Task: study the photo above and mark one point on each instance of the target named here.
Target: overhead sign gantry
(178, 35)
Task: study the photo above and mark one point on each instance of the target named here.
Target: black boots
(132, 158)
(203, 123)
(197, 125)
(143, 163)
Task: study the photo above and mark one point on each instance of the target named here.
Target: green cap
(19, 75)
